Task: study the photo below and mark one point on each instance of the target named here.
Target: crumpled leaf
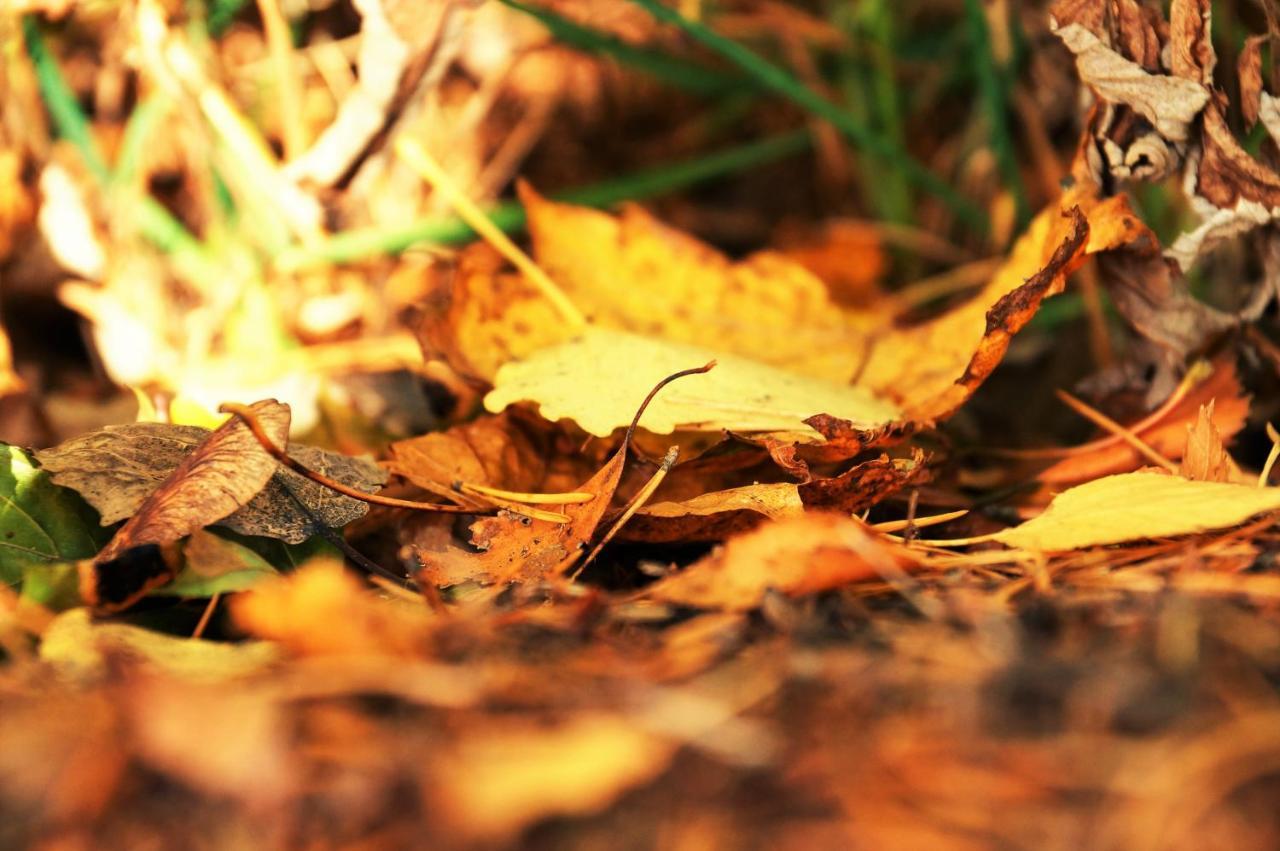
(1137, 506)
(220, 475)
(40, 523)
(1169, 103)
(78, 647)
(117, 468)
(801, 555)
(739, 395)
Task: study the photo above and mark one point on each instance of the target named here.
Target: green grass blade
(992, 89)
(689, 76)
(510, 217)
(780, 82)
(155, 223)
(68, 120)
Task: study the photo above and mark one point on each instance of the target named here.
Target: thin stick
(1120, 431)
(568, 498)
(919, 522)
(251, 420)
(431, 172)
(207, 616)
(636, 504)
(1265, 475)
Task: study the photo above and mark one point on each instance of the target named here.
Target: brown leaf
(1191, 50)
(515, 548)
(720, 514)
(218, 477)
(321, 610)
(1206, 459)
(501, 451)
(117, 468)
(1249, 70)
(801, 555)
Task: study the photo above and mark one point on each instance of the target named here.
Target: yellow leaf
(599, 378)
(1137, 506)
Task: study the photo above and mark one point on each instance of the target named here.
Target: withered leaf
(801, 555)
(219, 476)
(117, 468)
(515, 548)
(717, 515)
(500, 451)
(1206, 459)
(1137, 506)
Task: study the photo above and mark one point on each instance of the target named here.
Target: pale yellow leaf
(599, 379)
(1137, 506)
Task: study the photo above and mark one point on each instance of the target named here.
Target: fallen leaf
(40, 523)
(538, 360)
(633, 273)
(718, 515)
(515, 548)
(118, 468)
(739, 395)
(321, 610)
(502, 776)
(502, 452)
(219, 476)
(801, 555)
(78, 647)
(714, 516)
(1138, 506)
(212, 565)
(1206, 459)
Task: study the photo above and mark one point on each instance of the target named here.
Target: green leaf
(220, 562)
(40, 523)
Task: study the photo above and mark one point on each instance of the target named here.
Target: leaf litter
(861, 581)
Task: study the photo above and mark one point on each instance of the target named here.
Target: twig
(669, 461)
(1101, 419)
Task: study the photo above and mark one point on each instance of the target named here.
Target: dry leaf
(515, 548)
(596, 378)
(321, 610)
(503, 452)
(636, 274)
(1137, 506)
(1206, 459)
(79, 647)
(218, 477)
(801, 555)
(501, 777)
(117, 468)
